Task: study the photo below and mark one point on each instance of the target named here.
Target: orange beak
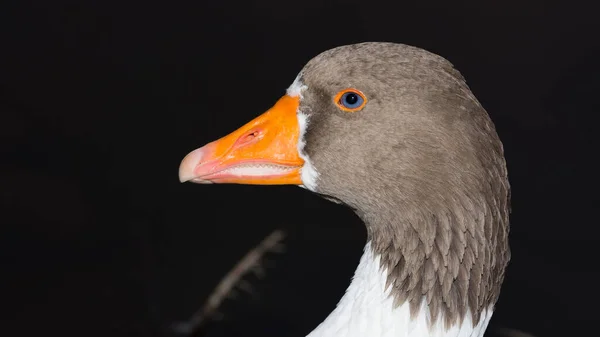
(262, 152)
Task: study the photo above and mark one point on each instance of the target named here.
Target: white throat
(366, 310)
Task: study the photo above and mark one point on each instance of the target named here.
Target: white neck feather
(366, 310)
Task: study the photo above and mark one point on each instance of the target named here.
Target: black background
(100, 101)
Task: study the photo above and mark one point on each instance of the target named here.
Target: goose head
(394, 132)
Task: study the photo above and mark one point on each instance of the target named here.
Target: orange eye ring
(350, 100)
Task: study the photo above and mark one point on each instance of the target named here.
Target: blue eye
(350, 100)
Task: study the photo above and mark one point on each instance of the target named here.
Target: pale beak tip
(183, 179)
(184, 175)
(188, 165)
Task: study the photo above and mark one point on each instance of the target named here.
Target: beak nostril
(251, 136)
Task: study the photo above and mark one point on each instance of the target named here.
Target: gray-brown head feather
(423, 167)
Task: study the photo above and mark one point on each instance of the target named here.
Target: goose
(393, 132)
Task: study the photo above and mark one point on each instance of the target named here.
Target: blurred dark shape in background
(100, 100)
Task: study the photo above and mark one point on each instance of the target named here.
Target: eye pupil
(351, 98)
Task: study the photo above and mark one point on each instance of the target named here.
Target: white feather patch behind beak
(297, 87)
(309, 174)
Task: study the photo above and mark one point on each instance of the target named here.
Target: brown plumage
(422, 166)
